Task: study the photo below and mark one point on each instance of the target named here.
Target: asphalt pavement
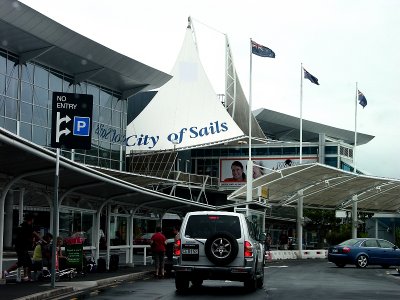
(81, 284)
(311, 279)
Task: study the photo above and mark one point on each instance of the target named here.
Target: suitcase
(101, 265)
(114, 261)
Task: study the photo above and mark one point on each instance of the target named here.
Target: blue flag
(261, 50)
(361, 99)
(313, 79)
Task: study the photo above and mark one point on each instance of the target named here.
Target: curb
(48, 294)
(127, 277)
(64, 292)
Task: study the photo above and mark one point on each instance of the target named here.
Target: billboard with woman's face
(233, 171)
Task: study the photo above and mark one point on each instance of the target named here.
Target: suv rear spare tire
(221, 248)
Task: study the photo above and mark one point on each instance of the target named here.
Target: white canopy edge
(326, 187)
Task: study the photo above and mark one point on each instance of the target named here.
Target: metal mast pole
(301, 113)
(355, 132)
(249, 195)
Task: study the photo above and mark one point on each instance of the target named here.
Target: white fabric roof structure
(185, 112)
(326, 187)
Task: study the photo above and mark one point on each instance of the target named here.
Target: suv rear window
(204, 226)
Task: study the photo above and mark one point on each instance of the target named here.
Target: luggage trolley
(74, 253)
(74, 260)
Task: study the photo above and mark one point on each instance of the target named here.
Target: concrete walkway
(75, 287)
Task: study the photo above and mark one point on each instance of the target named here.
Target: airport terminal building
(116, 186)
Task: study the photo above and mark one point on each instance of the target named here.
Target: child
(37, 260)
(46, 250)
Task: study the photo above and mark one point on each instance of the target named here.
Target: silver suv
(221, 246)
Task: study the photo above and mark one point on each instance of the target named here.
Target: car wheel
(362, 261)
(340, 265)
(260, 280)
(181, 283)
(221, 248)
(250, 284)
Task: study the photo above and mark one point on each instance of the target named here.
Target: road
(310, 279)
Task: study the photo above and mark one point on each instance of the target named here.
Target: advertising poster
(233, 170)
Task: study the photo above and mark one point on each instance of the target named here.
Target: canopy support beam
(300, 221)
(354, 217)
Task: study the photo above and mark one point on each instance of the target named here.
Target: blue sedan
(363, 252)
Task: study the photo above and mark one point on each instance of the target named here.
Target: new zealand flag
(313, 79)
(361, 99)
(261, 50)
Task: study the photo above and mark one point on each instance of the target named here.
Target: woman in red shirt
(158, 242)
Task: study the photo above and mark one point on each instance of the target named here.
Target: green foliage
(320, 216)
(343, 233)
(328, 227)
(323, 222)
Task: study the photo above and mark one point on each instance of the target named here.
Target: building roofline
(285, 127)
(33, 36)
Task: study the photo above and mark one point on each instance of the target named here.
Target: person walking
(23, 243)
(284, 240)
(158, 242)
(175, 231)
(268, 242)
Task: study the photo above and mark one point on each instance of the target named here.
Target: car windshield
(350, 242)
(203, 226)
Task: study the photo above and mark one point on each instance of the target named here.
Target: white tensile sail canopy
(185, 112)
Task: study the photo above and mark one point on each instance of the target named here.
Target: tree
(323, 222)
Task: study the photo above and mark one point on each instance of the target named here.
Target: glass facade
(256, 151)
(119, 230)
(25, 109)
(77, 223)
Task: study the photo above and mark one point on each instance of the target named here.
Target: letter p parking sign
(81, 126)
(71, 121)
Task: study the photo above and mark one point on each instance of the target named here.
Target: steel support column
(2, 202)
(354, 220)
(300, 221)
(8, 222)
(108, 235)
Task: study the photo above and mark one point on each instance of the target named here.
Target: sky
(340, 42)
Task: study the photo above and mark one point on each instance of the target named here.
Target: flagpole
(355, 132)
(301, 113)
(249, 186)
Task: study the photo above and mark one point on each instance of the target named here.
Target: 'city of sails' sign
(185, 112)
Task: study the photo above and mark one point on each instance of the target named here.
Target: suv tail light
(248, 249)
(177, 247)
(346, 250)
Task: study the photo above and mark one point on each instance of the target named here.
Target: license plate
(334, 250)
(190, 252)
